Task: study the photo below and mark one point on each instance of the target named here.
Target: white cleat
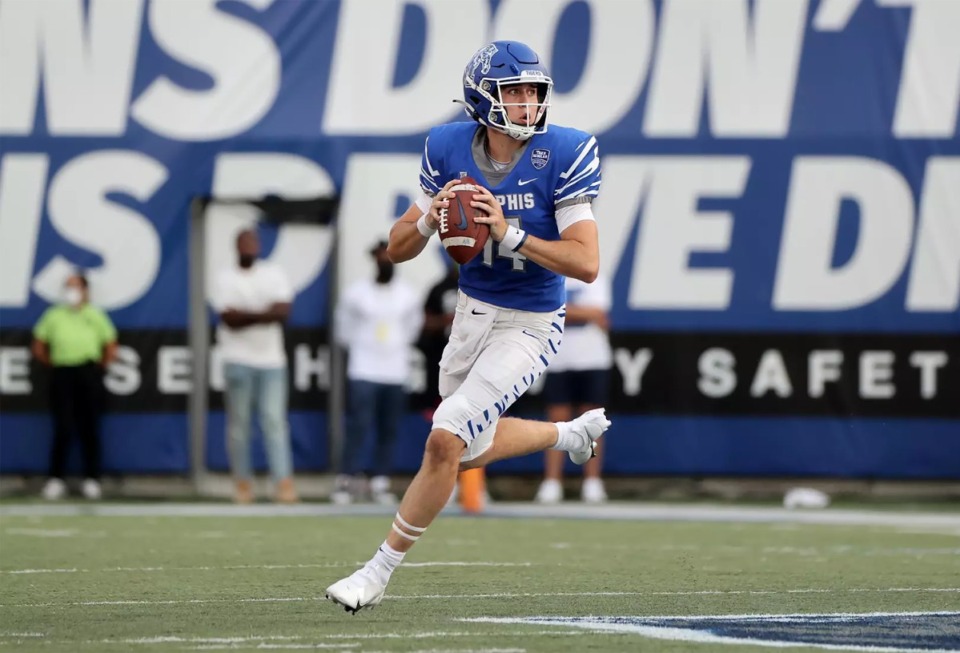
(593, 491)
(361, 589)
(589, 426)
(54, 490)
(91, 489)
(550, 492)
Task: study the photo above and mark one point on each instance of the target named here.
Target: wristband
(514, 238)
(425, 230)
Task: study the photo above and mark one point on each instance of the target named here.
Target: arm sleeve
(42, 329)
(580, 181)
(573, 214)
(424, 201)
(220, 301)
(282, 289)
(105, 328)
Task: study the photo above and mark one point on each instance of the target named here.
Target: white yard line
(335, 640)
(440, 563)
(334, 636)
(43, 532)
(265, 646)
(501, 595)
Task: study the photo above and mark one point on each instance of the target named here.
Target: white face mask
(73, 295)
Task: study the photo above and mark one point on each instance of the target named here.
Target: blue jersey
(555, 169)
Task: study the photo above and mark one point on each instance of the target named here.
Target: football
(459, 234)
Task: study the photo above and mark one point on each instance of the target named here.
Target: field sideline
(624, 577)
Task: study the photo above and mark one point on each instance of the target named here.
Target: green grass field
(173, 583)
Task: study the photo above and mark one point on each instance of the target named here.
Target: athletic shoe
(380, 491)
(592, 491)
(286, 491)
(54, 489)
(361, 589)
(589, 427)
(341, 498)
(91, 489)
(243, 492)
(550, 492)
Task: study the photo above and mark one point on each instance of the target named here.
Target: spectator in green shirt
(77, 341)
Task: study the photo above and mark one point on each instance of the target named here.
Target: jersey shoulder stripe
(581, 174)
(438, 143)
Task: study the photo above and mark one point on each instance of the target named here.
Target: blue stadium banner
(780, 209)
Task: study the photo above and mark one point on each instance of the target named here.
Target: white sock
(567, 440)
(387, 559)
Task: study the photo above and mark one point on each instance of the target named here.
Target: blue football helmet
(500, 64)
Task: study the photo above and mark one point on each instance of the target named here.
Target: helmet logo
(482, 59)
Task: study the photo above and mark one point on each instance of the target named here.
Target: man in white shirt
(377, 321)
(578, 380)
(253, 300)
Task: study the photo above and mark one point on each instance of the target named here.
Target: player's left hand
(484, 200)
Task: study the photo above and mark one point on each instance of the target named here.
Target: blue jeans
(267, 389)
(372, 405)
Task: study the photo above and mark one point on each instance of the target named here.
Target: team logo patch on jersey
(539, 157)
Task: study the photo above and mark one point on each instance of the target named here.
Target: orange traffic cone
(473, 485)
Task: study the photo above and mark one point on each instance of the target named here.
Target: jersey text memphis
(555, 169)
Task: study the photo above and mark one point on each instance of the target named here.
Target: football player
(536, 188)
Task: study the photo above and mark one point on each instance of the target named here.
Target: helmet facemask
(491, 89)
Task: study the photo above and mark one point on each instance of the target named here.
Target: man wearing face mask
(77, 341)
(253, 300)
(377, 321)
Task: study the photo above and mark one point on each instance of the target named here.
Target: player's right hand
(441, 201)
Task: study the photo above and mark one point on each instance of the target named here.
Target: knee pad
(452, 414)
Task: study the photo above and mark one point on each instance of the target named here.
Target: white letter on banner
(240, 57)
(620, 44)
(23, 181)
(87, 65)
(935, 273)
(123, 376)
(301, 250)
(771, 375)
(819, 185)
(307, 366)
(749, 67)
(126, 240)
(717, 375)
(876, 371)
(15, 371)
(823, 365)
(632, 366)
(672, 228)
(174, 370)
(929, 95)
(928, 362)
(361, 98)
